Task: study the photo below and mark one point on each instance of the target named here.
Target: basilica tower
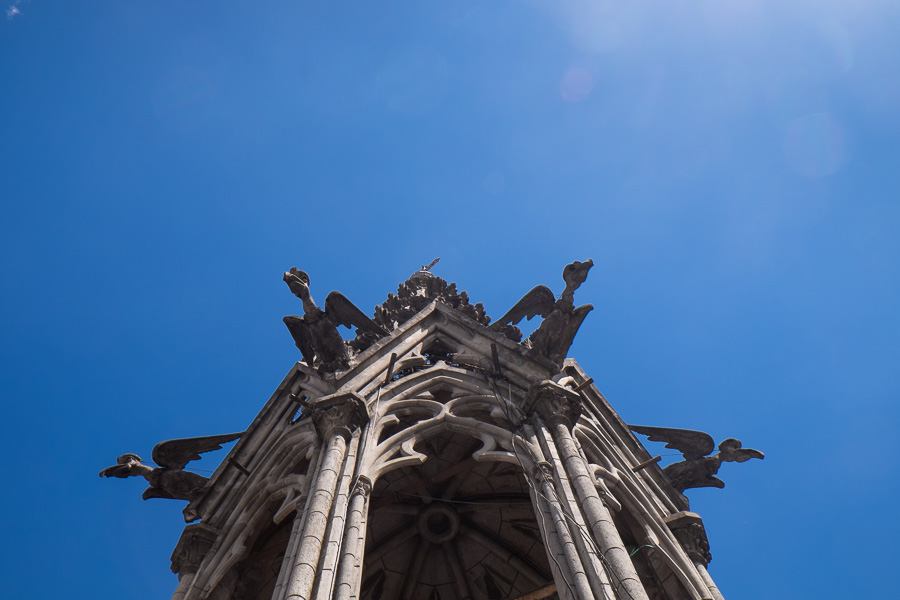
(439, 456)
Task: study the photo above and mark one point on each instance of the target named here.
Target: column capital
(543, 472)
(362, 486)
(340, 414)
(553, 403)
(691, 534)
(196, 540)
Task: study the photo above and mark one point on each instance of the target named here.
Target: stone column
(350, 566)
(691, 534)
(580, 586)
(335, 418)
(196, 541)
(559, 408)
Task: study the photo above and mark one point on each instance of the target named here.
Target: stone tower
(437, 456)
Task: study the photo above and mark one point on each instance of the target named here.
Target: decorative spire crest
(316, 335)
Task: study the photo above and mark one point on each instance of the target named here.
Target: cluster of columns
(555, 409)
(324, 557)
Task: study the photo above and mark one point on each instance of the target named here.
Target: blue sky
(731, 166)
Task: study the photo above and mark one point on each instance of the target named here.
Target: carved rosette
(554, 403)
(340, 414)
(196, 540)
(691, 534)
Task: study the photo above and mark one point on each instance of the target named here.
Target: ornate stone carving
(169, 480)
(561, 319)
(420, 290)
(698, 469)
(195, 542)
(691, 534)
(340, 414)
(554, 403)
(363, 486)
(316, 334)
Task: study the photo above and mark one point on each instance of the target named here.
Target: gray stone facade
(441, 459)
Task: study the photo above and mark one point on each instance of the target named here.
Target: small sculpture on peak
(316, 334)
(424, 273)
(698, 469)
(561, 318)
(169, 479)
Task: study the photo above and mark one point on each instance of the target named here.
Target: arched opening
(257, 574)
(453, 528)
(254, 577)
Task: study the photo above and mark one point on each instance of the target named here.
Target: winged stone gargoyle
(561, 318)
(316, 334)
(169, 479)
(698, 469)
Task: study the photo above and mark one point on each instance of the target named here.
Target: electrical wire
(506, 406)
(581, 528)
(400, 493)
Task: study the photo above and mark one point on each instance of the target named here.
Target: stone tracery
(443, 460)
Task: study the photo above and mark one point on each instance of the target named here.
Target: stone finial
(340, 414)
(420, 290)
(691, 534)
(554, 403)
(196, 540)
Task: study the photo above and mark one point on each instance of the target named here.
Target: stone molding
(339, 414)
(553, 403)
(691, 534)
(196, 541)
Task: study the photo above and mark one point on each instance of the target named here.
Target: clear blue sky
(732, 167)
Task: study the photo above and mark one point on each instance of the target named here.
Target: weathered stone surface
(698, 469)
(169, 480)
(440, 461)
(420, 290)
(316, 334)
(196, 540)
(688, 528)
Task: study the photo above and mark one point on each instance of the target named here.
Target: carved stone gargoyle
(561, 318)
(698, 469)
(316, 334)
(169, 479)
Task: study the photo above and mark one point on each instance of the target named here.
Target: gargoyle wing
(300, 332)
(343, 312)
(176, 454)
(539, 301)
(156, 492)
(694, 445)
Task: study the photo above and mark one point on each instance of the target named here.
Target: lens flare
(576, 84)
